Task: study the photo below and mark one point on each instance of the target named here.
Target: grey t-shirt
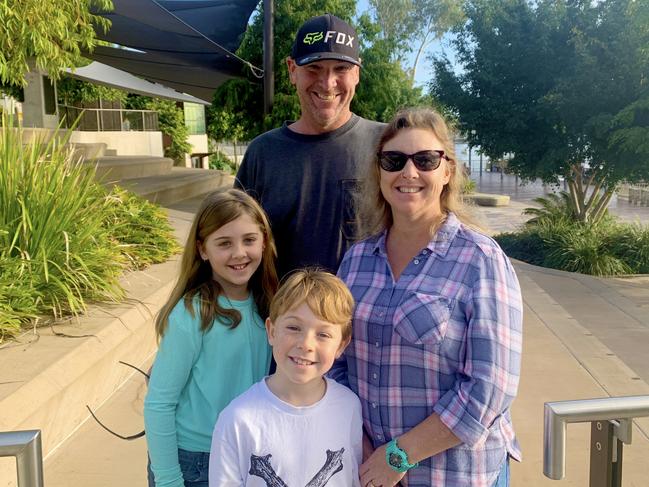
(306, 184)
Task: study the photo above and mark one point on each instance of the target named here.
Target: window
(194, 118)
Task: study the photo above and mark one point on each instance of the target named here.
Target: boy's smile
(304, 347)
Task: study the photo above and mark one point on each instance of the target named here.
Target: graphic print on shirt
(261, 467)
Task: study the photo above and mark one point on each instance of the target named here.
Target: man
(305, 173)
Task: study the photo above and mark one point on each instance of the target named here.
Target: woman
(436, 347)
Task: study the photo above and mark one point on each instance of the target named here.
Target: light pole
(471, 148)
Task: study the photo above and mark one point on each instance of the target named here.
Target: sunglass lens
(426, 160)
(392, 161)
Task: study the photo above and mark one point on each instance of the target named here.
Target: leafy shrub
(527, 246)
(469, 186)
(222, 162)
(17, 302)
(171, 121)
(630, 242)
(555, 206)
(63, 239)
(605, 249)
(141, 229)
(582, 248)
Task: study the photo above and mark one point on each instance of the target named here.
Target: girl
(212, 340)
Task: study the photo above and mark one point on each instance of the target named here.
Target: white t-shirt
(261, 441)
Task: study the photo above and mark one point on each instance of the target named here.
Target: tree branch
(423, 44)
(574, 198)
(598, 212)
(594, 196)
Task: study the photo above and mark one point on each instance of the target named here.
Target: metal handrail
(100, 123)
(26, 447)
(557, 415)
(107, 109)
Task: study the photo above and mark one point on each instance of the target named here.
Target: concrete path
(583, 338)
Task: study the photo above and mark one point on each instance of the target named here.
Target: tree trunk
(588, 207)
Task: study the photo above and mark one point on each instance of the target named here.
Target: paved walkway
(583, 338)
(523, 194)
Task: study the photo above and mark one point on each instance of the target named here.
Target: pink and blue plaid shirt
(445, 338)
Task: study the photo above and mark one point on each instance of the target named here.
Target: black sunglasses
(425, 160)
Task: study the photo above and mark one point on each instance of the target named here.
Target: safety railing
(109, 119)
(26, 447)
(611, 424)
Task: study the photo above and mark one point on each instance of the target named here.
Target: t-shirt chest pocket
(422, 319)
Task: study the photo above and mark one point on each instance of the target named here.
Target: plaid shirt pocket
(422, 319)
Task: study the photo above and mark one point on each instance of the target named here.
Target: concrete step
(178, 185)
(89, 150)
(110, 152)
(117, 168)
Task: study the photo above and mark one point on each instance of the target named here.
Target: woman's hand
(375, 471)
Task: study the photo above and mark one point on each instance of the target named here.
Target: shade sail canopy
(102, 74)
(187, 45)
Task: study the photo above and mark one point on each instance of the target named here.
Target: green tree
(558, 86)
(411, 25)
(51, 31)
(71, 90)
(385, 86)
(171, 121)
(243, 99)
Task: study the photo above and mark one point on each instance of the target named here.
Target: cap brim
(322, 56)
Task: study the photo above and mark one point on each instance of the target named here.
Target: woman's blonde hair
(325, 294)
(374, 213)
(195, 281)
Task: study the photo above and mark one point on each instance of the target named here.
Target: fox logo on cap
(338, 38)
(312, 37)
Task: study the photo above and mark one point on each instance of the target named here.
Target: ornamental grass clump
(53, 242)
(65, 240)
(554, 239)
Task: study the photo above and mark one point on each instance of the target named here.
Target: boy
(295, 428)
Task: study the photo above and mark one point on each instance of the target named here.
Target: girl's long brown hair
(195, 280)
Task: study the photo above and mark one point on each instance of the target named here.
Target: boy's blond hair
(326, 296)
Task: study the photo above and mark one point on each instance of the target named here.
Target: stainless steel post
(605, 455)
(26, 447)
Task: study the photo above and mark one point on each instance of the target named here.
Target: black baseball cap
(325, 37)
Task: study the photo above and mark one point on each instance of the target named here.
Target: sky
(424, 72)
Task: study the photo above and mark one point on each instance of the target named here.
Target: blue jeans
(503, 476)
(193, 465)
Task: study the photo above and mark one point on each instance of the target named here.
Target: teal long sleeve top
(194, 377)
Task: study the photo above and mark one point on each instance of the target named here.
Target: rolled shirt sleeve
(490, 374)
